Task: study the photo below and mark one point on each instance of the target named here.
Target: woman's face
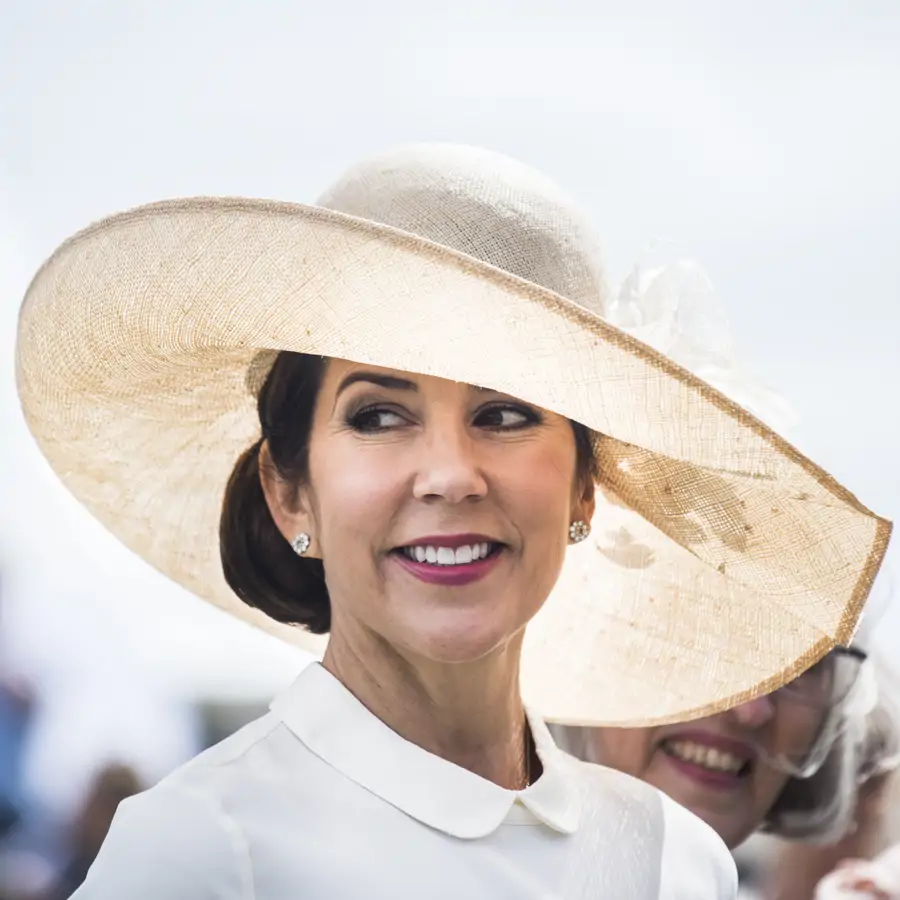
(713, 766)
(440, 510)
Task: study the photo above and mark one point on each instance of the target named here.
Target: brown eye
(505, 417)
(375, 418)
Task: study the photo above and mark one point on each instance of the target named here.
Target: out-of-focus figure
(863, 854)
(112, 785)
(16, 706)
(74, 701)
(860, 879)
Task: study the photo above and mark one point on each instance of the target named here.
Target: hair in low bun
(258, 563)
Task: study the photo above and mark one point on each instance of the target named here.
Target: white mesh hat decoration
(721, 562)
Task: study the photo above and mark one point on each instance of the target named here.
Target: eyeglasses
(822, 694)
(827, 683)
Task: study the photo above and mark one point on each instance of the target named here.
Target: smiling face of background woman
(716, 766)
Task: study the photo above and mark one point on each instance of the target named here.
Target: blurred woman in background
(802, 762)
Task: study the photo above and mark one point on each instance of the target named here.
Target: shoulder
(693, 860)
(696, 862)
(171, 841)
(652, 832)
(178, 839)
(607, 786)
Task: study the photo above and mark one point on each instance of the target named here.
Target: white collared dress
(320, 800)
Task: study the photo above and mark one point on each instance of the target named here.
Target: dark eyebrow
(386, 381)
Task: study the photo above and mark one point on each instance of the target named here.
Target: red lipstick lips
(445, 560)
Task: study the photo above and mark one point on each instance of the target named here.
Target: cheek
(534, 490)
(796, 729)
(768, 785)
(355, 498)
(537, 484)
(355, 492)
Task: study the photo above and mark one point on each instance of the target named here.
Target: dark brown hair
(259, 564)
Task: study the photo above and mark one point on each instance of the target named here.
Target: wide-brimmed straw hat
(721, 560)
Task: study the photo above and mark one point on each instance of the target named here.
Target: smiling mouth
(434, 555)
(712, 759)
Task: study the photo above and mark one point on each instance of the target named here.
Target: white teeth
(445, 556)
(462, 557)
(448, 556)
(708, 757)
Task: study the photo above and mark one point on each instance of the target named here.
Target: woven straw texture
(721, 561)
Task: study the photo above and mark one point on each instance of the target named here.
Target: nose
(754, 713)
(449, 469)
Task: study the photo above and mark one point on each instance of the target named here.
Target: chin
(455, 640)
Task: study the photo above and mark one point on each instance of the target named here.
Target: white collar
(338, 729)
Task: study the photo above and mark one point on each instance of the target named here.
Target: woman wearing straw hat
(410, 415)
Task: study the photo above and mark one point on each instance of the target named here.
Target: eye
(819, 670)
(811, 676)
(506, 417)
(376, 418)
(814, 681)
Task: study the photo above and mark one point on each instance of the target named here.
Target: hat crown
(483, 204)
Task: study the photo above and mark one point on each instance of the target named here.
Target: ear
(585, 502)
(285, 502)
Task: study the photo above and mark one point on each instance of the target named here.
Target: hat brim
(722, 561)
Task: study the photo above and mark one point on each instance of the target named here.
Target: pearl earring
(578, 531)
(300, 544)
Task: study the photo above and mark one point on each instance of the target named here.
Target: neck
(470, 714)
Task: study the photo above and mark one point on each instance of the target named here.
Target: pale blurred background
(763, 138)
